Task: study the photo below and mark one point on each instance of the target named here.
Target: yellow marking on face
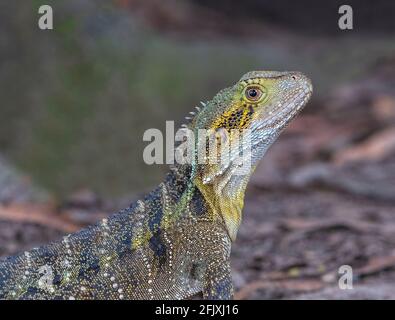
(251, 94)
(231, 119)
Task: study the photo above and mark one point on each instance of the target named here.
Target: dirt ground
(322, 197)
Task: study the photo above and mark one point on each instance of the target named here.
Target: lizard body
(176, 241)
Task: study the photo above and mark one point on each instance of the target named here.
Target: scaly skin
(175, 242)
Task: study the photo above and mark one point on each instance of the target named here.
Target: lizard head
(246, 118)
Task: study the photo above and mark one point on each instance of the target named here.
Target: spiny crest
(192, 114)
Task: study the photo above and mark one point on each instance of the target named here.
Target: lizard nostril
(293, 77)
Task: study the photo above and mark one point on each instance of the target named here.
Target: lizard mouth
(284, 112)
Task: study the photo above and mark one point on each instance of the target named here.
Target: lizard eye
(253, 93)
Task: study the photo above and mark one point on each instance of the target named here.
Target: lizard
(174, 243)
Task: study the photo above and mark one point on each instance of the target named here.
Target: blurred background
(76, 100)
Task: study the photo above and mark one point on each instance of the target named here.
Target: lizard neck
(225, 198)
(172, 200)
